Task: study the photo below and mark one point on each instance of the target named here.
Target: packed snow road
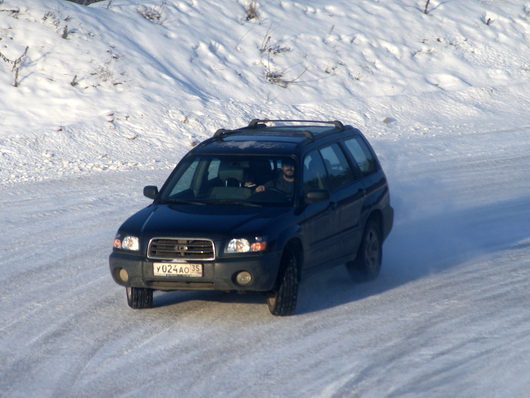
(448, 316)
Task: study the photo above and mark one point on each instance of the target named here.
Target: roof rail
(255, 122)
(222, 132)
(260, 123)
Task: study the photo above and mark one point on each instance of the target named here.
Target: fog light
(123, 275)
(243, 278)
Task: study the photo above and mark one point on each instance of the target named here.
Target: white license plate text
(177, 269)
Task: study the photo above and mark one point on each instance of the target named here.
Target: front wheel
(282, 301)
(138, 297)
(367, 264)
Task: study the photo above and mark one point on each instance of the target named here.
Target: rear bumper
(217, 275)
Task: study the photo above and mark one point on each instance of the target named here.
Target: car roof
(284, 137)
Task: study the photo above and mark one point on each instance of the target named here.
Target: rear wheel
(282, 301)
(138, 297)
(367, 264)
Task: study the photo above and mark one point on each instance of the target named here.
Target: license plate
(177, 269)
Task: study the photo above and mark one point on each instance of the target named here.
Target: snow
(112, 104)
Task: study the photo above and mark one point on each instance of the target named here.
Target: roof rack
(260, 123)
(224, 132)
(254, 123)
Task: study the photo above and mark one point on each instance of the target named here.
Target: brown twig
(426, 10)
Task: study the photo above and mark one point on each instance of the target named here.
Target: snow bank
(127, 84)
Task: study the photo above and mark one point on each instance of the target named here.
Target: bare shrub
(273, 74)
(272, 49)
(51, 18)
(13, 12)
(152, 13)
(16, 64)
(487, 19)
(252, 10)
(277, 77)
(426, 9)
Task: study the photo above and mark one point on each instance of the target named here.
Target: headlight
(241, 245)
(127, 243)
(238, 246)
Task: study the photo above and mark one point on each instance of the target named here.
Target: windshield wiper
(184, 202)
(236, 203)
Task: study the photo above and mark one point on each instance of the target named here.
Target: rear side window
(314, 172)
(361, 154)
(339, 171)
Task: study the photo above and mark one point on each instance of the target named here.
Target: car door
(347, 196)
(317, 224)
(373, 178)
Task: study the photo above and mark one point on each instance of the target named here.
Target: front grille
(181, 249)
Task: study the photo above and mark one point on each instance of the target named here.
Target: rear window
(339, 171)
(361, 154)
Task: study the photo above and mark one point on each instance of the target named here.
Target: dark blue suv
(256, 209)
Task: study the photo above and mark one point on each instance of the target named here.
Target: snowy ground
(444, 99)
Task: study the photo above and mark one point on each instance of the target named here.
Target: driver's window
(314, 172)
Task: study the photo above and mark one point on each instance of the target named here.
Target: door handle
(361, 193)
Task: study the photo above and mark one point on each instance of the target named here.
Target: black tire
(282, 301)
(138, 297)
(367, 264)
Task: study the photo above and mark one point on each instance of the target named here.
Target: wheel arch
(376, 216)
(293, 244)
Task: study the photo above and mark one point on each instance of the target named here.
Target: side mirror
(150, 191)
(319, 195)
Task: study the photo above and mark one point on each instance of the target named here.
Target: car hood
(196, 220)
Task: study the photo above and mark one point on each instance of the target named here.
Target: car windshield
(232, 180)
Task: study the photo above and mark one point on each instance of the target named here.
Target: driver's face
(288, 170)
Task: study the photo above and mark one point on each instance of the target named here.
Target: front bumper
(217, 275)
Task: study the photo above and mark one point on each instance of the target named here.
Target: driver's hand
(260, 188)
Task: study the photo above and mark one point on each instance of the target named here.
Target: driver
(284, 182)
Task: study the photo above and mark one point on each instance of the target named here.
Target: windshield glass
(241, 180)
